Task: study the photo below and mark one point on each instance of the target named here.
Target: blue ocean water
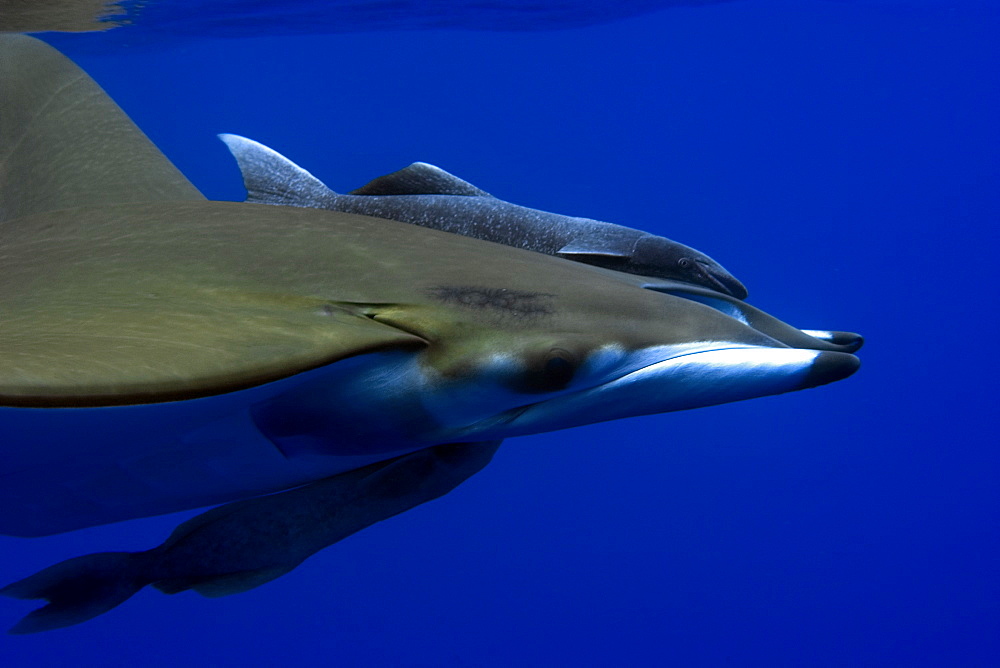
(841, 159)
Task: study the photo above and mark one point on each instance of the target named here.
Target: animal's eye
(551, 372)
(560, 367)
(684, 262)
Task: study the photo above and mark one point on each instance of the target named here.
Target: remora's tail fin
(64, 143)
(78, 589)
(271, 178)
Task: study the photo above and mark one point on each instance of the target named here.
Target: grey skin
(423, 194)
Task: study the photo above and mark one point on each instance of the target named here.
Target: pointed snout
(829, 367)
(723, 375)
(692, 379)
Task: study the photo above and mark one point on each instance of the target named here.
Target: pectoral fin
(583, 247)
(81, 148)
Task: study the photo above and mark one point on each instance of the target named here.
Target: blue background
(841, 159)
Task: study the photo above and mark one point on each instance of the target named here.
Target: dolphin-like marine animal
(423, 194)
(315, 371)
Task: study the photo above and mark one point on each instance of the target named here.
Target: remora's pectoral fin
(271, 178)
(420, 178)
(600, 240)
(83, 149)
(242, 545)
(578, 249)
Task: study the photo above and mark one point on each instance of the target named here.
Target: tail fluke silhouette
(78, 589)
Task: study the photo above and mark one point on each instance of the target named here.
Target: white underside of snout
(689, 380)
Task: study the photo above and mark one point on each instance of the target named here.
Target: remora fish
(159, 351)
(423, 194)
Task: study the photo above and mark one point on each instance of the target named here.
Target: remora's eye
(684, 262)
(551, 372)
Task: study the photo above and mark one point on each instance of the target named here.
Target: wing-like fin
(88, 338)
(420, 178)
(64, 143)
(271, 178)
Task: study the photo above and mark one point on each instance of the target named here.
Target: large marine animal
(423, 194)
(314, 371)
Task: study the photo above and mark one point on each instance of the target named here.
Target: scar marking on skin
(513, 302)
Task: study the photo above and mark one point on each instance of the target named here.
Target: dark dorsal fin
(271, 178)
(420, 178)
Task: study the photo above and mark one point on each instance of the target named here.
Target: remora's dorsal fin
(420, 178)
(271, 178)
(64, 143)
